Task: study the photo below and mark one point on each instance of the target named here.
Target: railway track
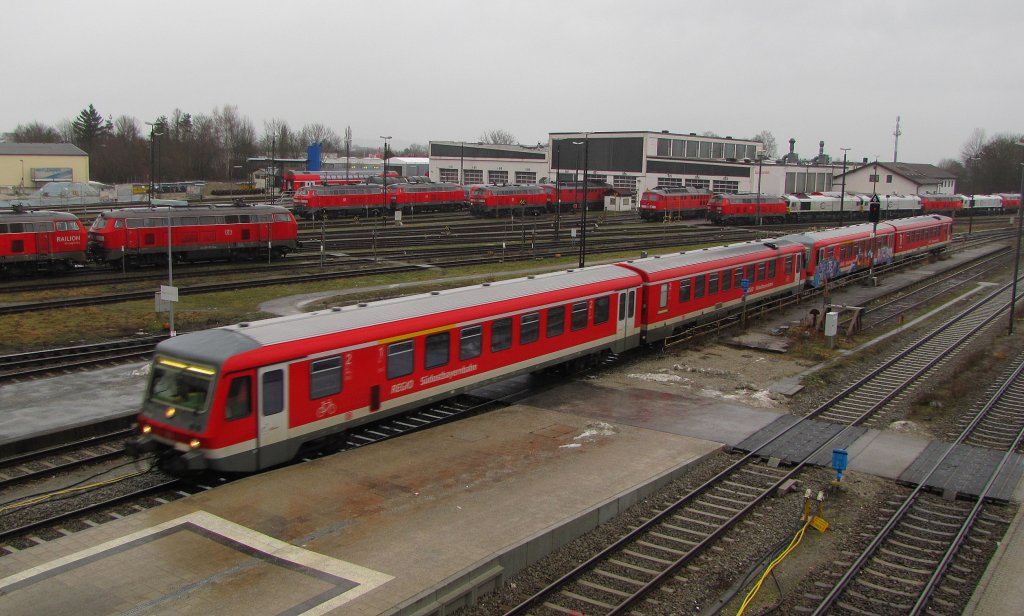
(619, 578)
(930, 551)
(20, 366)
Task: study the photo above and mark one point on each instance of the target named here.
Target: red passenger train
(674, 201)
(250, 396)
(34, 241)
(138, 236)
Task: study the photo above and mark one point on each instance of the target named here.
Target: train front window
(181, 385)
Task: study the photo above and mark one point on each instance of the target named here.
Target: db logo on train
(522, 202)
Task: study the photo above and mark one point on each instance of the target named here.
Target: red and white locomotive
(747, 208)
(674, 201)
(502, 200)
(139, 236)
(33, 241)
(249, 396)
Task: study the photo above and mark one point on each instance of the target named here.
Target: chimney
(792, 145)
(821, 148)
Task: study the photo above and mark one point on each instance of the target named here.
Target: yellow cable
(792, 545)
(45, 497)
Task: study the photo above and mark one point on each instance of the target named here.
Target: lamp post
(583, 224)
(153, 134)
(21, 186)
(384, 175)
(558, 193)
(842, 190)
(874, 179)
(462, 162)
(760, 162)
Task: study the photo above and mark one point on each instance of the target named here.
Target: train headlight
(194, 443)
(147, 429)
(170, 412)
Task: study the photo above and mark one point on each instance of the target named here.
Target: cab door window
(239, 403)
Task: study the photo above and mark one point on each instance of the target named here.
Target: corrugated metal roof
(348, 318)
(40, 149)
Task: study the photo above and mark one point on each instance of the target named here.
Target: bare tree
(498, 137)
(36, 132)
(768, 139)
(974, 145)
(322, 134)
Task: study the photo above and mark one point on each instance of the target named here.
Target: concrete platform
(403, 526)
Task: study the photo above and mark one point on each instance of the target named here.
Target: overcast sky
(816, 70)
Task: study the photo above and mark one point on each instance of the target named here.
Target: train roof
(679, 190)
(191, 210)
(515, 189)
(656, 268)
(22, 215)
(885, 226)
(217, 345)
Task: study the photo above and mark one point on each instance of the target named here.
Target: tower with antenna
(896, 147)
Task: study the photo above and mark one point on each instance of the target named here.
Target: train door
(43, 233)
(273, 416)
(626, 327)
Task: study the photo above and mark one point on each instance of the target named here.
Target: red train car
(295, 180)
(674, 201)
(832, 253)
(138, 236)
(428, 197)
(941, 204)
(249, 396)
(510, 200)
(747, 208)
(335, 201)
(1011, 202)
(682, 289)
(570, 195)
(33, 241)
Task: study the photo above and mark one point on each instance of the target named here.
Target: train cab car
(250, 396)
(941, 204)
(683, 289)
(747, 208)
(139, 236)
(33, 241)
(674, 201)
(509, 200)
(427, 197)
(314, 202)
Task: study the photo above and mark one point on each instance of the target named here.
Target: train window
(726, 280)
(154, 222)
(189, 221)
(244, 218)
(65, 225)
(273, 392)
(821, 255)
(17, 227)
(119, 223)
(529, 328)
(3, 229)
(501, 334)
(698, 286)
(281, 218)
(772, 269)
(239, 400)
(324, 377)
(684, 290)
(622, 306)
(231, 219)
(750, 274)
(789, 265)
(578, 320)
(135, 223)
(470, 344)
(632, 303)
(760, 271)
(438, 350)
(207, 220)
(738, 275)
(713, 283)
(602, 309)
(663, 299)
(400, 359)
(556, 321)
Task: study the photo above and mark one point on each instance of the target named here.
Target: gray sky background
(452, 69)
